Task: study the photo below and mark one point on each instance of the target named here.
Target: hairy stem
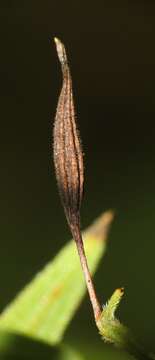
(88, 278)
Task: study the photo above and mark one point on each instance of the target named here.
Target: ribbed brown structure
(68, 156)
(68, 160)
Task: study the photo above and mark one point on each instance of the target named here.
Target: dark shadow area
(17, 347)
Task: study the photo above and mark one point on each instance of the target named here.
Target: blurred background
(111, 51)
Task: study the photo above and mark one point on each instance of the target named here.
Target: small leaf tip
(121, 290)
(101, 225)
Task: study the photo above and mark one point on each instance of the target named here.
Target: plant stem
(84, 264)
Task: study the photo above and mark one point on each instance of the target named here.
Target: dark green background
(111, 50)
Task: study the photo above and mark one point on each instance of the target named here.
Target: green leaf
(45, 307)
(69, 353)
(116, 333)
